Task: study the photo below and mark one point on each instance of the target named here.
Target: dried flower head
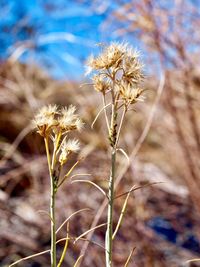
(130, 94)
(49, 110)
(69, 111)
(45, 119)
(100, 84)
(79, 124)
(50, 119)
(116, 62)
(132, 68)
(68, 120)
(68, 147)
(111, 56)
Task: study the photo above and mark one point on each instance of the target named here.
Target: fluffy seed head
(79, 124)
(45, 119)
(68, 147)
(51, 120)
(69, 120)
(116, 60)
(47, 111)
(100, 84)
(132, 68)
(130, 94)
(69, 111)
(111, 56)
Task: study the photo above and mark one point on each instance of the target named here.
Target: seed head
(45, 120)
(69, 111)
(130, 94)
(68, 147)
(100, 84)
(132, 68)
(79, 124)
(111, 56)
(69, 120)
(51, 120)
(116, 61)
(47, 111)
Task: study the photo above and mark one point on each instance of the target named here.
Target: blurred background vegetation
(44, 45)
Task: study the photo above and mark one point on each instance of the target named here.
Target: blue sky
(63, 32)
(59, 35)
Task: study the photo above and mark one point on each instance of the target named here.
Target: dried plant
(117, 76)
(151, 25)
(54, 126)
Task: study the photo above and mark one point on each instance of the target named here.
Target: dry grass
(24, 179)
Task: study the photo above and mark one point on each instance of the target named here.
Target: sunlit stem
(122, 213)
(53, 225)
(120, 125)
(78, 260)
(56, 145)
(109, 231)
(65, 248)
(68, 173)
(105, 112)
(52, 206)
(46, 141)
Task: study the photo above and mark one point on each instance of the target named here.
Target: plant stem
(105, 112)
(53, 226)
(120, 126)
(46, 141)
(109, 232)
(52, 207)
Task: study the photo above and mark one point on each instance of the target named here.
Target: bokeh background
(43, 49)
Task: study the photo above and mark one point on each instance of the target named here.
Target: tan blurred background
(162, 137)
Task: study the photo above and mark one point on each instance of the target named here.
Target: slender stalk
(120, 125)
(109, 232)
(65, 247)
(112, 136)
(52, 207)
(105, 112)
(46, 141)
(53, 226)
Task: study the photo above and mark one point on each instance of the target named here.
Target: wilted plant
(117, 76)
